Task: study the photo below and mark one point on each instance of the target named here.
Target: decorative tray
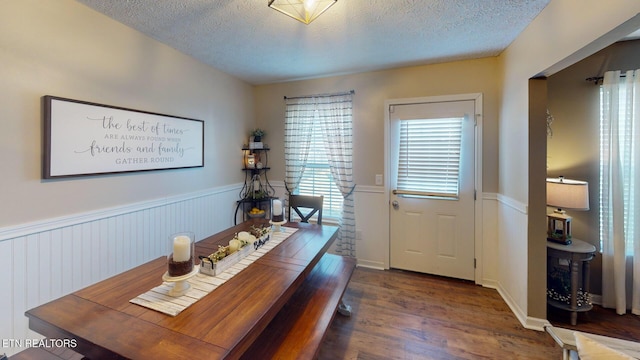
(241, 246)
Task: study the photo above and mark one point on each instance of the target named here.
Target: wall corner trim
(514, 204)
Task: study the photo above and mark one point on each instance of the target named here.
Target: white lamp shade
(568, 194)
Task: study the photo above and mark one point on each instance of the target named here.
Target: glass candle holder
(181, 257)
(277, 210)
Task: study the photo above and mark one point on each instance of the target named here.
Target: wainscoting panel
(490, 241)
(512, 255)
(63, 255)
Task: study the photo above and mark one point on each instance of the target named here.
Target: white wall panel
(6, 302)
(489, 255)
(64, 255)
(512, 254)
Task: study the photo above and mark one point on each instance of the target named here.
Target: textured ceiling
(259, 45)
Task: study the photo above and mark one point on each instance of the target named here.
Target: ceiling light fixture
(302, 10)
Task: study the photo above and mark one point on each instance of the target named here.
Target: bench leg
(344, 309)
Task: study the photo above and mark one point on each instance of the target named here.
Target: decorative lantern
(249, 160)
(559, 227)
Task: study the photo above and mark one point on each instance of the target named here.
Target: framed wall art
(83, 138)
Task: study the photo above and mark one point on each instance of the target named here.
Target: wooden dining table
(221, 325)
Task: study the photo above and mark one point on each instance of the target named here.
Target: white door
(432, 168)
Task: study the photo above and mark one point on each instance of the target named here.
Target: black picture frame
(83, 138)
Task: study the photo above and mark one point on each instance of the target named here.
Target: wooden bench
(289, 297)
(298, 329)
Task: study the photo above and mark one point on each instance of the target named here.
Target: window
(623, 132)
(317, 178)
(619, 184)
(429, 156)
(318, 151)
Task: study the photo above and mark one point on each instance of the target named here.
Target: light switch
(378, 179)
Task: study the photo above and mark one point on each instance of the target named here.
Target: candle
(277, 207)
(181, 248)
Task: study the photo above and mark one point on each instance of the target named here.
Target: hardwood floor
(405, 315)
(599, 321)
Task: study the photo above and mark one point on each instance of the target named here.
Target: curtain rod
(594, 79)
(321, 95)
(597, 79)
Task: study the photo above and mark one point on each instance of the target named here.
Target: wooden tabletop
(221, 325)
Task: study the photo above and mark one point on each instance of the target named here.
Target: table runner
(201, 284)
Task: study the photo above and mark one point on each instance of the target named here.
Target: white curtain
(620, 180)
(334, 114)
(297, 139)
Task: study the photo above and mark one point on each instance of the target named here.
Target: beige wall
(565, 32)
(371, 90)
(573, 150)
(65, 49)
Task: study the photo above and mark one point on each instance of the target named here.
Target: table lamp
(564, 194)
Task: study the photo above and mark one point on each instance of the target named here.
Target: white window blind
(317, 179)
(429, 156)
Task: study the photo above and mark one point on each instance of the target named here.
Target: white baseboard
(536, 323)
(527, 322)
(491, 284)
(371, 264)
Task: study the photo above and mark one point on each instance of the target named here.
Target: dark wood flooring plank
(404, 315)
(599, 321)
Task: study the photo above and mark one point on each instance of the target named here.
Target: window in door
(429, 156)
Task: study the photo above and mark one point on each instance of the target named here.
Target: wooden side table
(574, 255)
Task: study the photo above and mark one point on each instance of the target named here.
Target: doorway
(432, 157)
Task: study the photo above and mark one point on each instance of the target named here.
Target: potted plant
(255, 141)
(257, 135)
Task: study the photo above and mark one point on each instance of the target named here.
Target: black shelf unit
(248, 197)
